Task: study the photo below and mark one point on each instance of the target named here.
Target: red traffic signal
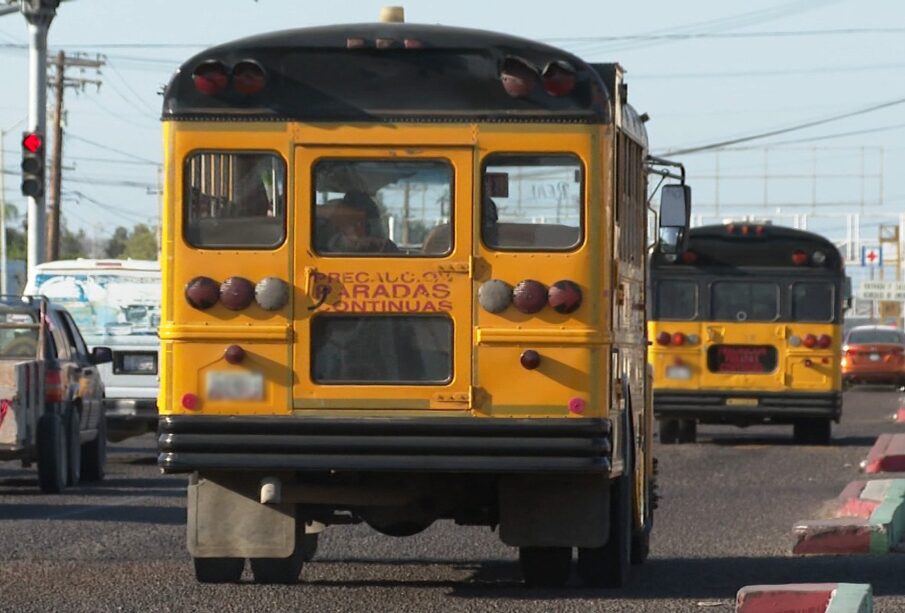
(32, 142)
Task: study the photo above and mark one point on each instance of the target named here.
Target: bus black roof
(750, 244)
(455, 75)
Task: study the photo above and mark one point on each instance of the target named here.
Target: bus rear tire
(812, 431)
(218, 570)
(688, 431)
(53, 467)
(545, 566)
(278, 570)
(669, 431)
(610, 565)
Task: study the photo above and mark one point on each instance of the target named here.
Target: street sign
(871, 256)
(881, 290)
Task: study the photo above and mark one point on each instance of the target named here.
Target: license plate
(224, 385)
(678, 372)
(741, 402)
(875, 357)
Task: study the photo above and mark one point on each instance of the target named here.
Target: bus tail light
(809, 341)
(248, 77)
(824, 341)
(664, 338)
(202, 292)
(237, 293)
(678, 339)
(210, 78)
(564, 296)
(529, 296)
(799, 257)
(559, 78)
(54, 390)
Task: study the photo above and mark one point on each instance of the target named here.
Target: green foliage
(72, 245)
(139, 244)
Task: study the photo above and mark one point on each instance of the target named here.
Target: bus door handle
(310, 276)
(714, 335)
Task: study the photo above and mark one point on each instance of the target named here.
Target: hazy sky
(704, 70)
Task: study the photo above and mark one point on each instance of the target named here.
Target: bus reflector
(559, 78)
(210, 77)
(809, 341)
(236, 293)
(824, 341)
(248, 77)
(530, 359)
(808, 363)
(799, 257)
(234, 354)
(190, 401)
(202, 292)
(577, 405)
(664, 338)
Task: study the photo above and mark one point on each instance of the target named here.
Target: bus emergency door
(383, 313)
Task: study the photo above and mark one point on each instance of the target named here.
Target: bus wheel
(641, 536)
(73, 447)
(52, 453)
(309, 546)
(278, 570)
(545, 566)
(688, 431)
(609, 566)
(669, 431)
(812, 431)
(218, 570)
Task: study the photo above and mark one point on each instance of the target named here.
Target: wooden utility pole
(60, 83)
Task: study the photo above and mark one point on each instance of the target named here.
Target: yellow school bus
(747, 329)
(404, 276)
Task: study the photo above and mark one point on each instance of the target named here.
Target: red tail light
(678, 339)
(210, 78)
(824, 341)
(559, 78)
(799, 257)
(809, 341)
(518, 78)
(54, 390)
(529, 296)
(237, 293)
(664, 338)
(248, 77)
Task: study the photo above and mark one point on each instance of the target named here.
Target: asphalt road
(728, 505)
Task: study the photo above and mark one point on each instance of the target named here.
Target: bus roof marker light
(518, 77)
(495, 296)
(272, 293)
(210, 77)
(529, 296)
(237, 293)
(248, 77)
(564, 296)
(819, 258)
(799, 257)
(202, 292)
(356, 42)
(559, 78)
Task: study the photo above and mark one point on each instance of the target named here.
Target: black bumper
(776, 407)
(472, 445)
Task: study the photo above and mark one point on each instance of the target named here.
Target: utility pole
(39, 14)
(60, 83)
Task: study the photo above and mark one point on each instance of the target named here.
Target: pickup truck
(51, 395)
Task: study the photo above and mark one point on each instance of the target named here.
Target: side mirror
(675, 218)
(101, 355)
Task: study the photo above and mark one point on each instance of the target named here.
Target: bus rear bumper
(421, 445)
(741, 407)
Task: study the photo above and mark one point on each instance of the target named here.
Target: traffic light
(32, 164)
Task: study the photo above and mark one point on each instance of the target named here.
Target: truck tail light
(54, 391)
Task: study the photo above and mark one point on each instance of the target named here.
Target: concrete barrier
(805, 598)
(887, 455)
(867, 517)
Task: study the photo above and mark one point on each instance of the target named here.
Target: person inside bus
(354, 226)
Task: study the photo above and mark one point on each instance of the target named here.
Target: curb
(805, 598)
(869, 517)
(887, 455)
(899, 415)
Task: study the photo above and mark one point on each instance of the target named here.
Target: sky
(706, 71)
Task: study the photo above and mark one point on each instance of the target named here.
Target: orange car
(874, 354)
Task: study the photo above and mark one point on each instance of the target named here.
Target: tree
(117, 245)
(72, 245)
(139, 244)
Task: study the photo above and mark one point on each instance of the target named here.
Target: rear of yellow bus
(746, 329)
(384, 264)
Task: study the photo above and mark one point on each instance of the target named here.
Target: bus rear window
(532, 202)
(386, 207)
(677, 300)
(381, 349)
(744, 301)
(234, 200)
(812, 302)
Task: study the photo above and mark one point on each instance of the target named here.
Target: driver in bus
(355, 221)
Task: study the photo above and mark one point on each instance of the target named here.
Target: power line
(727, 35)
(111, 149)
(768, 73)
(809, 124)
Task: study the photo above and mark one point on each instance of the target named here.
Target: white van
(116, 304)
